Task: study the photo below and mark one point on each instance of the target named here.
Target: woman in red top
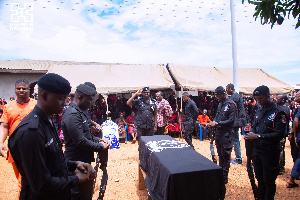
(131, 127)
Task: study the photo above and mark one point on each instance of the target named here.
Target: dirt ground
(123, 176)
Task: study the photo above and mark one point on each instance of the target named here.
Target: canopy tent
(116, 78)
(208, 78)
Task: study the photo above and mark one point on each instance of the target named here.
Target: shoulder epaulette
(34, 122)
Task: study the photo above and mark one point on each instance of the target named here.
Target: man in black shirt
(267, 130)
(240, 120)
(37, 150)
(146, 119)
(281, 102)
(223, 122)
(80, 143)
(190, 115)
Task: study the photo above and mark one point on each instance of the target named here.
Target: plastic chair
(127, 134)
(200, 131)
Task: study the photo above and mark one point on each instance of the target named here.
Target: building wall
(8, 80)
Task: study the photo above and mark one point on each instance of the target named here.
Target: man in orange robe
(13, 113)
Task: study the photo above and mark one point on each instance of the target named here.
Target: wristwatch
(259, 136)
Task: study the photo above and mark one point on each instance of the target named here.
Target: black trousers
(187, 134)
(224, 147)
(160, 130)
(249, 153)
(144, 132)
(266, 168)
(84, 191)
(294, 150)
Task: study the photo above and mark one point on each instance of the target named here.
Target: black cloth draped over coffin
(175, 171)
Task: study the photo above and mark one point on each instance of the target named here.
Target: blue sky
(185, 32)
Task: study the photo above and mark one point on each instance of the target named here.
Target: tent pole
(234, 48)
(180, 114)
(107, 112)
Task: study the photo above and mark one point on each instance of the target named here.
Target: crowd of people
(222, 116)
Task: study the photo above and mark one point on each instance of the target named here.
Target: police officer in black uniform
(190, 115)
(80, 144)
(267, 130)
(37, 150)
(223, 122)
(281, 102)
(240, 121)
(146, 119)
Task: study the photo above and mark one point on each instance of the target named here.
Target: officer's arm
(73, 124)
(71, 165)
(242, 112)
(195, 111)
(31, 147)
(231, 117)
(97, 126)
(279, 128)
(130, 100)
(217, 113)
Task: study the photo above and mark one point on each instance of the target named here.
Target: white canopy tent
(116, 78)
(208, 78)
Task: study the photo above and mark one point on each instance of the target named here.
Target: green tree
(274, 11)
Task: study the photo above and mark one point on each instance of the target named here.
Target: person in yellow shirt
(13, 113)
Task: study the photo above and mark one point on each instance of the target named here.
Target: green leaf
(297, 25)
(296, 12)
(254, 2)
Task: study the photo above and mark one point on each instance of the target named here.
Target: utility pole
(234, 50)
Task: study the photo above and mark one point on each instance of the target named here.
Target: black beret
(219, 90)
(146, 89)
(261, 90)
(90, 84)
(54, 83)
(87, 88)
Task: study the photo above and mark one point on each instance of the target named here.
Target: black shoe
(237, 161)
(214, 159)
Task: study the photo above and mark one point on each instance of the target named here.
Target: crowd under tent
(208, 78)
(113, 78)
(117, 78)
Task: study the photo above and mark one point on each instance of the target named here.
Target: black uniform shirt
(241, 119)
(270, 123)
(225, 116)
(190, 111)
(37, 153)
(146, 111)
(288, 114)
(79, 142)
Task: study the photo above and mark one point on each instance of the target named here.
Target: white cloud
(140, 35)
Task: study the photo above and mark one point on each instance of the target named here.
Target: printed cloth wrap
(110, 131)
